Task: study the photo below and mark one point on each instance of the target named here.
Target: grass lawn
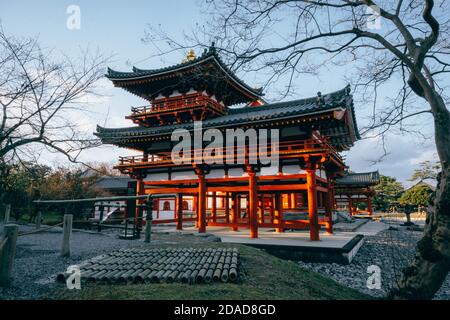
(263, 277)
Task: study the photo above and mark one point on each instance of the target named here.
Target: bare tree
(401, 44)
(427, 171)
(39, 98)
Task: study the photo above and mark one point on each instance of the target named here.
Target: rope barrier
(106, 220)
(60, 224)
(100, 199)
(40, 230)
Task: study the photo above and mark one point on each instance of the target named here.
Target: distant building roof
(113, 183)
(361, 178)
(423, 183)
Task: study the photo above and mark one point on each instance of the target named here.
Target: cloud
(404, 154)
(107, 154)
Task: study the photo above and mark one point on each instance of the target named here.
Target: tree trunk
(423, 278)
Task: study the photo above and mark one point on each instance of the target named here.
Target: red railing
(285, 149)
(175, 103)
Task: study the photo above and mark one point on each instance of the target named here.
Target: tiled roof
(207, 56)
(362, 178)
(237, 116)
(423, 183)
(113, 182)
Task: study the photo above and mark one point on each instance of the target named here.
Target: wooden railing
(176, 103)
(285, 150)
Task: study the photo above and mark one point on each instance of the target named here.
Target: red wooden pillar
(253, 203)
(179, 211)
(140, 190)
(369, 205)
(201, 208)
(227, 207)
(214, 207)
(194, 203)
(235, 212)
(278, 219)
(261, 206)
(312, 205)
(175, 206)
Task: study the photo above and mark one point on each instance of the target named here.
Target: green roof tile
(208, 55)
(361, 178)
(243, 115)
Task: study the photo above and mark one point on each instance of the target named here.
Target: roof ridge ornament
(190, 56)
(212, 47)
(348, 89)
(319, 99)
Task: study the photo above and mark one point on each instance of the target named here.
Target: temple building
(356, 188)
(297, 193)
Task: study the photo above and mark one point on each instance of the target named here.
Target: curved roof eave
(139, 74)
(332, 101)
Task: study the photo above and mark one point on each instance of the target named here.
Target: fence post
(139, 219)
(67, 231)
(99, 226)
(7, 254)
(148, 222)
(7, 213)
(38, 219)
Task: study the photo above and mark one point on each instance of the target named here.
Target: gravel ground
(38, 262)
(37, 259)
(391, 250)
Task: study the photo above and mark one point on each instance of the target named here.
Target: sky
(116, 28)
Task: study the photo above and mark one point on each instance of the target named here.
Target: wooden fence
(8, 237)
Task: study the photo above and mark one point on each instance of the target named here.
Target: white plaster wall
(268, 171)
(216, 173)
(183, 175)
(236, 172)
(161, 204)
(321, 173)
(157, 176)
(164, 215)
(292, 169)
